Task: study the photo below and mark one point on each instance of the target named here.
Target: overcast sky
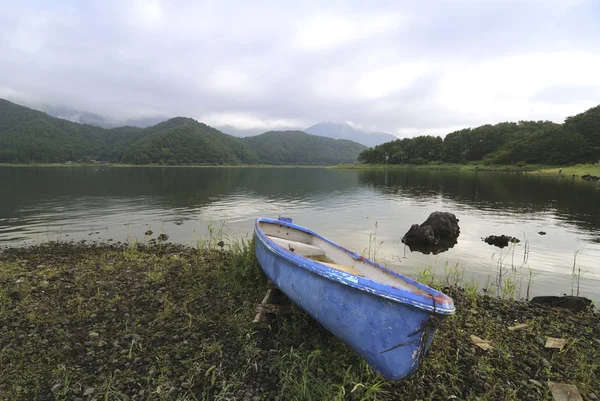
(404, 67)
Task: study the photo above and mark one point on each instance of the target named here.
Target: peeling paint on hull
(390, 329)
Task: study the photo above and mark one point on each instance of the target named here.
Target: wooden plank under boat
(387, 318)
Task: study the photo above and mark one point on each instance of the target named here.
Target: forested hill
(30, 136)
(186, 141)
(533, 142)
(300, 148)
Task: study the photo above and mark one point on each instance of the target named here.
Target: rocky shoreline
(130, 322)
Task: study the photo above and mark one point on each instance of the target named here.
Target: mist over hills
(31, 136)
(346, 131)
(326, 129)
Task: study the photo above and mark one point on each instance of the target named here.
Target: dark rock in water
(437, 234)
(573, 303)
(500, 240)
(163, 237)
(542, 233)
(589, 177)
(149, 232)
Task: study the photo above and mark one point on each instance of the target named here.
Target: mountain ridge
(346, 131)
(275, 147)
(32, 136)
(327, 128)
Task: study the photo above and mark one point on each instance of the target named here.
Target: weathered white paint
(310, 246)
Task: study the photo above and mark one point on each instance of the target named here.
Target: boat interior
(321, 251)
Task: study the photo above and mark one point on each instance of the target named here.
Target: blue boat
(387, 318)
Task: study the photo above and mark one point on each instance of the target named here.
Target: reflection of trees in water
(576, 202)
(569, 200)
(169, 187)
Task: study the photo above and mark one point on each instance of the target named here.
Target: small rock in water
(500, 240)
(163, 237)
(149, 232)
(542, 233)
(89, 391)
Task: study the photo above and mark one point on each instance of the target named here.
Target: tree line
(531, 142)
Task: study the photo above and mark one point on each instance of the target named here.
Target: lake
(351, 207)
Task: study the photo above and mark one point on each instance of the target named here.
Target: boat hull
(391, 336)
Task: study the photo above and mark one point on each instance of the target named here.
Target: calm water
(98, 204)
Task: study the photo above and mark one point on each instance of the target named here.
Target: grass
(577, 170)
(169, 322)
(473, 166)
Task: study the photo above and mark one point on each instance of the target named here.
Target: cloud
(244, 121)
(325, 31)
(401, 67)
(504, 87)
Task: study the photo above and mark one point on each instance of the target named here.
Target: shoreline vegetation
(157, 321)
(120, 165)
(568, 171)
(28, 135)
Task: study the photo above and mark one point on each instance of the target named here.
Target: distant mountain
(346, 131)
(31, 136)
(300, 148)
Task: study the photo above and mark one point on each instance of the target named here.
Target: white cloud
(504, 88)
(400, 67)
(232, 80)
(148, 12)
(387, 80)
(325, 31)
(246, 121)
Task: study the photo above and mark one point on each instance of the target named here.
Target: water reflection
(503, 193)
(349, 206)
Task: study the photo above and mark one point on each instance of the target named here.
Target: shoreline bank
(566, 171)
(169, 322)
(120, 165)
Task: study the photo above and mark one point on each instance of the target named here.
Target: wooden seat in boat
(299, 247)
(347, 269)
(313, 252)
